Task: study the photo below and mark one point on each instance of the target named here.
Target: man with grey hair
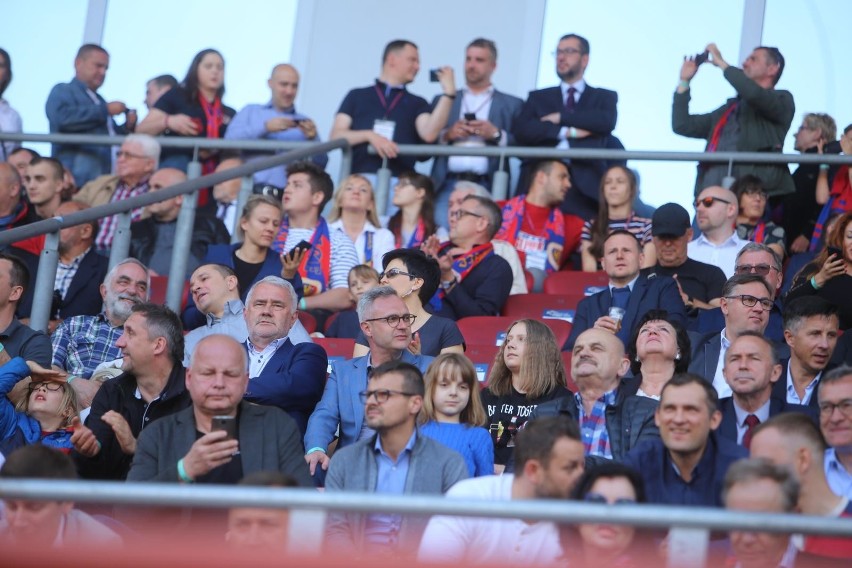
(288, 376)
(137, 159)
(386, 323)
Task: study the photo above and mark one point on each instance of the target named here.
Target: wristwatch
(445, 286)
(497, 136)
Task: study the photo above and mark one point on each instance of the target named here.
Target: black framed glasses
(462, 212)
(48, 385)
(566, 51)
(826, 409)
(759, 269)
(709, 201)
(393, 272)
(598, 498)
(382, 395)
(750, 301)
(394, 320)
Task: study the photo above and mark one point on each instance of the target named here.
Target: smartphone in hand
(226, 423)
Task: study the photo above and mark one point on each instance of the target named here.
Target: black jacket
(728, 427)
(207, 230)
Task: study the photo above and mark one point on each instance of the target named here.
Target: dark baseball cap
(670, 220)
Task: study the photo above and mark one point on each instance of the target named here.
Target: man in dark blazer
(291, 377)
(263, 438)
(628, 290)
(494, 113)
(571, 115)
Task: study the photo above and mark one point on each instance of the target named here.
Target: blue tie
(620, 296)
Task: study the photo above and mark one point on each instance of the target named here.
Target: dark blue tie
(620, 296)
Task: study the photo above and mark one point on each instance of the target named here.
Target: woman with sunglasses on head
(615, 211)
(414, 194)
(415, 277)
(354, 213)
(751, 225)
(829, 276)
(45, 412)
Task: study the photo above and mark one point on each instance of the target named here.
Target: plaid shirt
(593, 427)
(81, 343)
(65, 274)
(108, 225)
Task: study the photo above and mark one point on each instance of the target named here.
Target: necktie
(620, 296)
(569, 99)
(223, 210)
(751, 423)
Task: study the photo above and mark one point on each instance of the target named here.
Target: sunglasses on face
(759, 269)
(709, 201)
(598, 498)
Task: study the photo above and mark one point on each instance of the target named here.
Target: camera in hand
(702, 58)
(433, 76)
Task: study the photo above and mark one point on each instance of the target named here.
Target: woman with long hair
(751, 225)
(414, 194)
(527, 371)
(10, 120)
(659, 349)
(354, 212)
(615, 211)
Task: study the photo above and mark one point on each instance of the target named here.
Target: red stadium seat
(308, 321)
(487, 330)
(336, 348)
(157, 294)
(482, 357)
(542, 306)
(575, 282)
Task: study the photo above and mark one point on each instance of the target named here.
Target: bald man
(276, 120)
(716, 212)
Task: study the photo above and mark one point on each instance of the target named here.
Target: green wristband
(182, 473)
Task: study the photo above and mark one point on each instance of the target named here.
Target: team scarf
(315, 268)
(462, 265)
(717, 130)
(213, 117)
(554, 230)
(839, 202)
(417, 237)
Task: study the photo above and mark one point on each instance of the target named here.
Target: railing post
(500, 185)
(687, 547)
(121, 239)
(246, 188)
(183, 242)
(45, 283)
(383, 176)
(345, 163)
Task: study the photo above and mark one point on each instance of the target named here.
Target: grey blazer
(269, 441)
(433, 469)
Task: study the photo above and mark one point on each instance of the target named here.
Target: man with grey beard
(81, 343)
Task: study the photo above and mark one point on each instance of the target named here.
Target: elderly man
(276, 120)
(282, 374)
(150, 387)
(76, 108)
(715, 213)
(835, 421)
(237, 438)
(136, 161)
(395, 460)
(386, 323)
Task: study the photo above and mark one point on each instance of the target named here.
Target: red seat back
(574, 282)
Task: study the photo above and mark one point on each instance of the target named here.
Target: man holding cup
(629, 294)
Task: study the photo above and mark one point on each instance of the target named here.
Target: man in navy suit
(288, 376)
(628, 289)
(572, 115)
(494, 113)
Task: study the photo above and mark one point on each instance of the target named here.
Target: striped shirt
(639, 226)
(593, 426)
(343, 254)
(81, 343)
(108, 225)
(65, 273)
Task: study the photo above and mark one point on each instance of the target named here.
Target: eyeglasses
(48, 385)
(598, 498)
(759, 269)
(462, 212)
(393, 272)
(567, 51)
(759, 194)
(124, 154)
(750, 301)
(709, 201)
(382, 395)
(394, 320)
(826, 409)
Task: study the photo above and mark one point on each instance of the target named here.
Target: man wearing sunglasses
(718, 244)
(386, 323)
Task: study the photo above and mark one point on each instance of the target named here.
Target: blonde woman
(354, 213)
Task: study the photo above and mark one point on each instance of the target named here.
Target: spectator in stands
(354, 213)
(414, 222)
(757, 120)
(10, 120)
(345, 324)
(811, 332)
(699, 283)
(480, 116)
(157, 87)
(687, 465)
(759, 486)
(20, 158)
(794, 441)
(43, 415)
(193, 108)
(386, 114)
(763, 260)
(835, 416)
(17, 339)
(544, 236)
(629, 291)
(282, 374)
(833, 192)
(829, 276)
(49, 524)
(77, 108)
(746, 301)
(276, 120)
(261, 528)
(572, 115)
(81, 343)
(227, 193)
(612, 418)
(615, 211)
(386, 322)
(396, 460)
(266, 438)
(474, 280)
(152, 239)
(751, 223)
(549, 458)
(137, 160)
(415, 277)
(43, 181)
(817, 134)
(14, 211)
(150, 387)
(718, 244)
(527, 372)
(254, 258)
(325, 266)
(659, 348)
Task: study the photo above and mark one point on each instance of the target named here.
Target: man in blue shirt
(835, 421)
(687, 465)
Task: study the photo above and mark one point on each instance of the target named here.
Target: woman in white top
(658, 350)
(10, 120)
(354, 213)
